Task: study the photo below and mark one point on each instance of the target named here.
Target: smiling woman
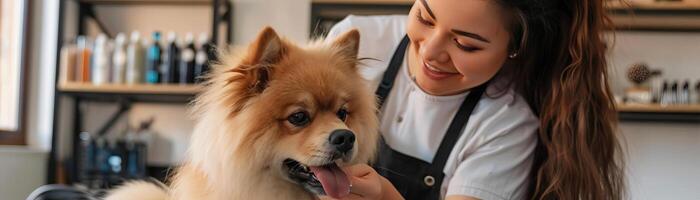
(12, 26)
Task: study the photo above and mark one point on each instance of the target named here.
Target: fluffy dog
(276, 122)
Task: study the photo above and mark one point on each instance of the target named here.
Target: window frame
(18, 136)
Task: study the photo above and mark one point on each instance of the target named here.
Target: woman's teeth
(431, 68)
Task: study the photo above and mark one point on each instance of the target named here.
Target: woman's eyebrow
(471, 35)
(430, 12)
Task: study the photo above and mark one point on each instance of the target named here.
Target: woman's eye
(342, 114)
(423, 20)
(299, 119)
(466, 47)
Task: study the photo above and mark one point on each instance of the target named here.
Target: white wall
(663, 158)
(21, 171)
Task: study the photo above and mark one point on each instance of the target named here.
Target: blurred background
(94, 92)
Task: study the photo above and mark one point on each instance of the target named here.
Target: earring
(513, 55)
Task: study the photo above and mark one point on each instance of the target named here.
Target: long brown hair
(561, 70)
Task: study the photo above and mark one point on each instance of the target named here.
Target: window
(12, 37)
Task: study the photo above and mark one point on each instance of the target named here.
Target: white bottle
(201, 58)
(135, 60)
(101, 60)
(119, 59)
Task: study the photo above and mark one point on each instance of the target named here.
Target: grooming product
(664, 99)
(186, 66)
(135, 155)
(135, 60)
(69, 55)
(201, 58)
(101, 60)
(696, 93)
(674, 93)
(83, 59)
(154, 60)
(119, 59)
(685, 93)
(169, 66)
(86, 158)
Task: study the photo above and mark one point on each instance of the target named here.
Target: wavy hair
(561, 70)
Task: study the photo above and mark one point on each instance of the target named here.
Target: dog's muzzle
(325, 178)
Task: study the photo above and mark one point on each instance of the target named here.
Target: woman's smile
(436, 73)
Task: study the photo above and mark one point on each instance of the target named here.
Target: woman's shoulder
(505, 110)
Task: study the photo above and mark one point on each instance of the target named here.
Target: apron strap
(390, 74)
(456, 128)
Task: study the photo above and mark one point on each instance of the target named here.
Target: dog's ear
(264, 52)
(348, 43)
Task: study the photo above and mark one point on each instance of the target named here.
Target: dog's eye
(299, 118)
(342, 114)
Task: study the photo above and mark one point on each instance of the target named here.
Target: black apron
(412, 177)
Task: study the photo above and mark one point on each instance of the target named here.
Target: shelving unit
(672, 16)
(121, 94)
(659, 113)
(167, 89)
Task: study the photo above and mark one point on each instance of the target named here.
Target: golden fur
(242, 135)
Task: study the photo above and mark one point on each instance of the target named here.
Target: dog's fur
(242, 134)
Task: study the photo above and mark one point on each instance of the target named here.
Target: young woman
(490, 99)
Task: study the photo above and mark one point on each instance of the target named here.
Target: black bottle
(187, 57)
(202, 58)
(170, 61)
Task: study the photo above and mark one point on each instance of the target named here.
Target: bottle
(135, 60)
(674, 92)
(101, 60)
(664, 98)
(201, 66)
(170, 60)
(153, 60)
(69, 54)
(186, 66)
(685, 93)
(119, 59)
(697, 92)
(84, 54)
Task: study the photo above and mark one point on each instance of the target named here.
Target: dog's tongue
(333, 179)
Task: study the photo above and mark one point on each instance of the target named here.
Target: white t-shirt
(491, 159)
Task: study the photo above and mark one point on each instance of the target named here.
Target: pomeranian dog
(275, 122)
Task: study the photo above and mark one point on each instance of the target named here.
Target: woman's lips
(435, 73)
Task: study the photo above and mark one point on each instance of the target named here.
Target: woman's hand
(367, 184)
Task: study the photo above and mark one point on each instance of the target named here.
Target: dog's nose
(342, 140)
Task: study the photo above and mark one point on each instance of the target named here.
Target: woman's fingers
(365, 182)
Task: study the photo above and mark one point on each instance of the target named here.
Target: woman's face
(456, 44)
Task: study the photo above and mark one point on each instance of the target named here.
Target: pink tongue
(333, 180)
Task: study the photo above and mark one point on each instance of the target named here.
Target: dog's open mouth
(327, 179)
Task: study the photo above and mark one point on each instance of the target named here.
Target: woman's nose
(434, 49)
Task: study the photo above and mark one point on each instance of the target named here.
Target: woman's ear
(348, 43)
